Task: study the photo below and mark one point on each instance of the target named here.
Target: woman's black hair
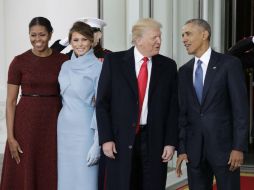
(42, 21)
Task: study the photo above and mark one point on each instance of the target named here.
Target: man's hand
(180, 159)
(109, 149)
(235, 160)
(168, 153)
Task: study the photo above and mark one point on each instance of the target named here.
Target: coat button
(201, 114)
(130, 147)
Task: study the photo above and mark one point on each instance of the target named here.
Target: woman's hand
(15, 149)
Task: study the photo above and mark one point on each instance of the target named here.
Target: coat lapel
(210, 74)
(128, 66)
(155, 75)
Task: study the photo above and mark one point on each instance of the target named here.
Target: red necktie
(142, 83)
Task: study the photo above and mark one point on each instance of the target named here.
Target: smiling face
(39, 38)
(195, 39)
(149, 42)
(80, 44)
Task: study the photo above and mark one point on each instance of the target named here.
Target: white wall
(14, 20)
(2, 78)
(61, 13)
(2, 50)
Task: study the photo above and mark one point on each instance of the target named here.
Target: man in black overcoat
(137, 125)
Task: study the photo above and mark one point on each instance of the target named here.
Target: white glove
(64, 42)
(93, 155)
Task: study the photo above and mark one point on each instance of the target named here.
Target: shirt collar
(205, 57)
(138, 56)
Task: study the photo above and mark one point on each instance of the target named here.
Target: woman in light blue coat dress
(78, 147)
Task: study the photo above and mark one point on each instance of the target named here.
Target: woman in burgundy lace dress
(30, 154)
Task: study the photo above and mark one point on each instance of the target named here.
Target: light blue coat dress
(77, 127)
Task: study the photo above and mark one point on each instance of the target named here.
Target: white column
(114, 13)
(163, 12)
(133, 14)
(182, 11)
(14, 20)
(217, 30)
(144, 8)
(205, 9)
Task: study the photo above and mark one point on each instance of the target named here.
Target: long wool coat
(117, 115)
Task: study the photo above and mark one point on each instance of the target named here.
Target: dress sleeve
(14, 73)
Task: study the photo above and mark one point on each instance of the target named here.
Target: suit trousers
(139, 179)
(201, 177)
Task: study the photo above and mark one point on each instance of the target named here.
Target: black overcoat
(117, 115)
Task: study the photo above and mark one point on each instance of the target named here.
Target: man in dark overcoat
(137, 112)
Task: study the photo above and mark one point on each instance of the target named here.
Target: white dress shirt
(138, 62)
(205, 58)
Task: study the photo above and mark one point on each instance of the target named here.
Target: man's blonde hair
(143, 24)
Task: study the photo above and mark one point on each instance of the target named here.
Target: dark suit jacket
(211, 130)
(117, 115)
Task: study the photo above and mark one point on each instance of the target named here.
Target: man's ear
(205, 35)
(138, 41)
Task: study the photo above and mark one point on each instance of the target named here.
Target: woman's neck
(47, 52)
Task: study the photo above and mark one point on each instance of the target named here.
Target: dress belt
(40, 95)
